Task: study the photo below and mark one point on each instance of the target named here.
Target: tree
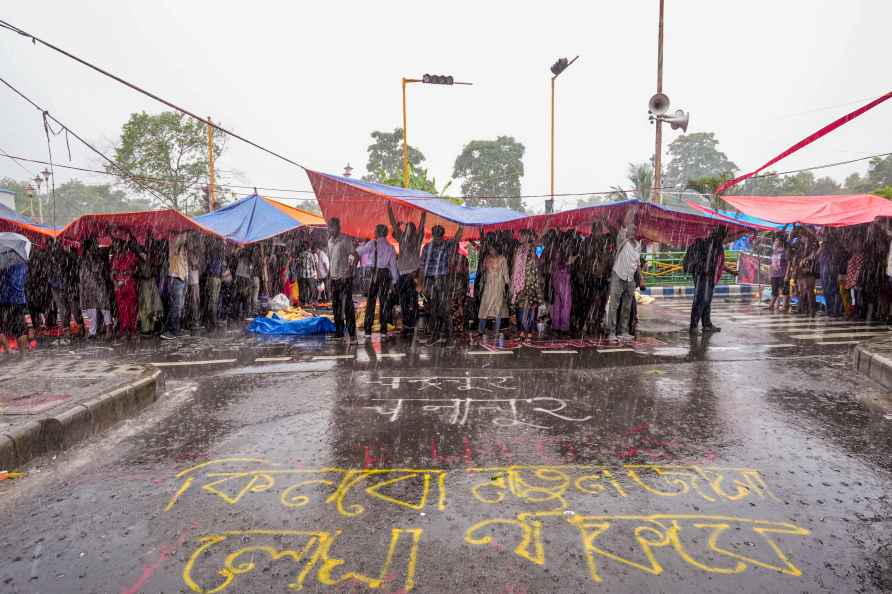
(73, 199)
(167, 153)
(885, 192)
(490, 171)
(418, 180)
(386, 157)
(706, 187)
(694, 156)
(641, 176)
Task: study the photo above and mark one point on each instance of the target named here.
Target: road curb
(62, 430)
(688, 292)
(875, 365)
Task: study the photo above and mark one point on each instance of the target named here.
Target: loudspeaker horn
(678, 120)
(658, 104)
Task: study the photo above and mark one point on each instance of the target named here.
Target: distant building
(7, 198)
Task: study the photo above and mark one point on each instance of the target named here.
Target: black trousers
(408, 296)
(379, 291)
(342, 306)
(701, 309)
(437, 288)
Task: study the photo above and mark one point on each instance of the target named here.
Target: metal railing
(663, 269)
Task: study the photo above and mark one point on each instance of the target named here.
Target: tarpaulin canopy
(160, 224)
(360, 205)
(14, 222)
(655, 223)
(737, 217)
(256, 218)
(833, 211)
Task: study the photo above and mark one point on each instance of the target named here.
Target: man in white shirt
(622, 279)
(342, 259)
(384, 276)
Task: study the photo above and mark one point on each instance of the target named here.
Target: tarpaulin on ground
(256, 218)
(160, 224)
(15, 222)
(279, 327)
(833, 211)
(360, 205)
(655, 223)
(737, 217)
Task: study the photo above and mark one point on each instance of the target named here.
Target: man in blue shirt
(12, 305)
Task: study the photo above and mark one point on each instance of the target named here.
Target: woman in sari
(526, 284)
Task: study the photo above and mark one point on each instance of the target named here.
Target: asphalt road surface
(753, 460)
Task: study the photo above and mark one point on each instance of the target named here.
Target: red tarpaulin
(834, 211)
(361, 205)
(161, 224)
(655, 223)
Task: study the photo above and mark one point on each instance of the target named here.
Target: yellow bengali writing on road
(519, 505)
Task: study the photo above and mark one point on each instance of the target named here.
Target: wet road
(750, 461)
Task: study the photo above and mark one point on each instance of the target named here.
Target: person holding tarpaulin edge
(384, 277)
(408, 262)
(705, 260)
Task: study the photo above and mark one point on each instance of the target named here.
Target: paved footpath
(48, 403)
(753, 460)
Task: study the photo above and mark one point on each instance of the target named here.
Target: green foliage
(170, 147)
(695, 156)
(879, 174)
(418, 180)
(641, 176)
(386, 157)
(73, 199)
(490, 171)
(885, 192)
(799, 184)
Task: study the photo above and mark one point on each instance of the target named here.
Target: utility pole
(212, 180)
(656, 191)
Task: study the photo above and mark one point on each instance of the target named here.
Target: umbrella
(14, 249)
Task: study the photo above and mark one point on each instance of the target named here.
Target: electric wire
(561, 195)
(35, 39)
(46, 115)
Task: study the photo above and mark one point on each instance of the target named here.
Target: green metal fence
(664, 269)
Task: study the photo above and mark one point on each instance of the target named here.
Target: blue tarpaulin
(255, 218)
(278, 327)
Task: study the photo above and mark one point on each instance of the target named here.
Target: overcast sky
(313, 79)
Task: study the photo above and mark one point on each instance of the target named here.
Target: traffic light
(437, 79)
(206, 198)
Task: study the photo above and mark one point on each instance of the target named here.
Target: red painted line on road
(164, 553)
(469, 457)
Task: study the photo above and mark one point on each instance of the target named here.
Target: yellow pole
(405, 140)
(212, 180)
(549, 205)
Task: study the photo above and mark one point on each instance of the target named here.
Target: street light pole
(656, 191)
(556, 70)
(431, 79)
(39, 180)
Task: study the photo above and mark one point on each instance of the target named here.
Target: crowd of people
(850, 267)
(156, 288)
(564, 284)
